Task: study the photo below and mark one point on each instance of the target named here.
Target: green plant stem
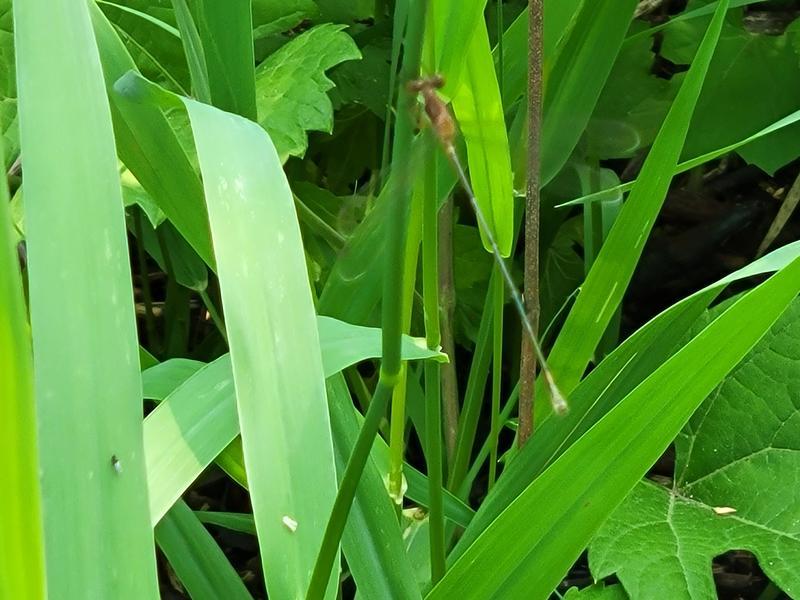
(497, 322)
(176, 306)
(144, 281)
(216, 317)
(398, 28)
(497, 371)
(347, 489)
(398, 419)
(433, 408)
(532, 209)
(392, 315)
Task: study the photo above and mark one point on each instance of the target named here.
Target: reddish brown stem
(532, 209)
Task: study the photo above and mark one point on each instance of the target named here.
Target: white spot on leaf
(289, 523)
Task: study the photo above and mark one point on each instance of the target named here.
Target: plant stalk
(433, 406)
(532, 210)
(447, 304)
(392, 316)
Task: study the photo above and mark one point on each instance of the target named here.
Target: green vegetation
(277, 318)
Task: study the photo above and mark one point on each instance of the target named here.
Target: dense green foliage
(263, 202)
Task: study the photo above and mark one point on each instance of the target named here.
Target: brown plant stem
(532, 209)
(447, 303)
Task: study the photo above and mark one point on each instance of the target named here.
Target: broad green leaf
(582, 67)
(344, 344)
(88, 392)
(612, 270)
(633, 104)
(479, 110)
(275, 353)
(546, 528)
(598, 591)
(188, 430)
(196, 558)
(197, 417)
(194, 423)
(687, 165)
(8, 85)
(291, 86)
(744, 65)
(21, 545)
(615, 377)
(741, 450)
(268, 11)
(161, 379)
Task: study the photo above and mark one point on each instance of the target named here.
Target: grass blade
(578, 77)
(690, 164)
(372, 541)
(546, 528)
(21, 545)
(275, 353)
(196, 558)
(479, 110)
(452, 25)
(226, 34)
(187, 431)
(609, 277)
(605, 386)
(86, 369)
(193, 49)
(148, 146)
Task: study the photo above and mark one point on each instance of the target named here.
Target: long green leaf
(193, 49)
(197, 417)
(187, 431)
(379, 563)
(546, 528)
(89, 413)
(578, 77)
(449, 33)
(277, 366)
(226, 34)
(479, 110)
(21, 544)
(690, 164)
(609, 277)
(196, 558)
(149, 147)
(605, 386)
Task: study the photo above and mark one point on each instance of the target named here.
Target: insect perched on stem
(116, 464)
(445, 129)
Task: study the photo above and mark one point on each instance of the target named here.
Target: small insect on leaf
(116, 464)
(289, 523)
(724, 510)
